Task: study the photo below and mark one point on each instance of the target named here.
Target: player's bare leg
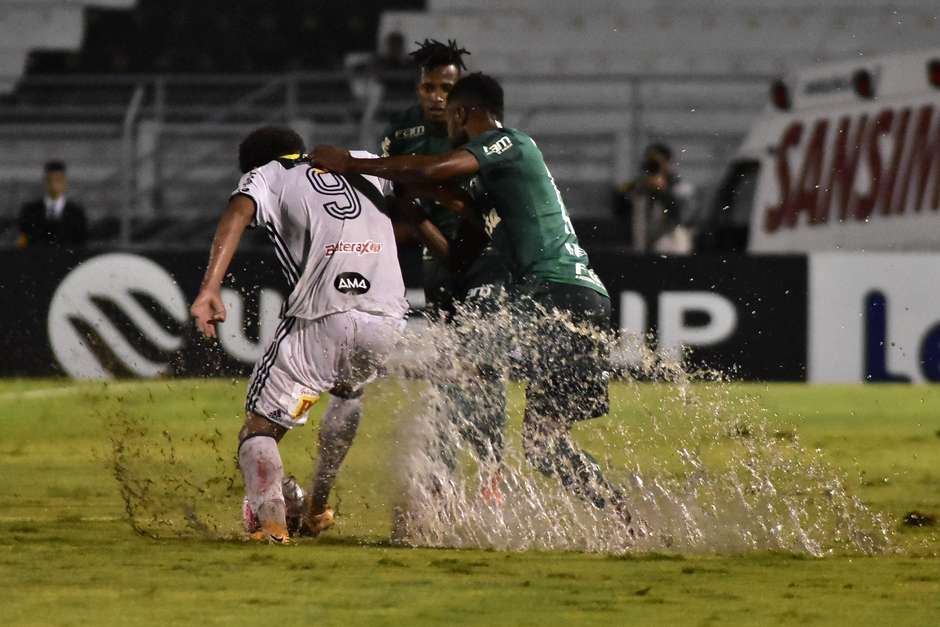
(263, 473)
(337, 431)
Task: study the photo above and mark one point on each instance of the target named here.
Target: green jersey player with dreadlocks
(564, 301)
(469, 277)
(422, 130)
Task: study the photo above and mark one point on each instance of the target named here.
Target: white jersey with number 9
(335, 245)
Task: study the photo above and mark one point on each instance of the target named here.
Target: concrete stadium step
(41, 24)
(669, 6)
(588, 121)
(766, 37)
(616, 91)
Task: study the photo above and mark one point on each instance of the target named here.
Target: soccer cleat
(293, 506)
(272, 532)
(315, 524)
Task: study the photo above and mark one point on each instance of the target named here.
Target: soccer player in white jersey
(341, 319)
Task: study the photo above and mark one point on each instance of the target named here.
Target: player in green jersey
(567, 304)
(477, 405)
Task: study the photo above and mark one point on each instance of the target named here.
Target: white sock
(337, 430)
(261, 467)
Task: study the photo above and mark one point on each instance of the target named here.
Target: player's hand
(330, 158)
(208, 310)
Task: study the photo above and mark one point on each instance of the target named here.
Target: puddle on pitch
(694, 462)
(699, 467)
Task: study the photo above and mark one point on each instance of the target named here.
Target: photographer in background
(656, 203)
(52, 220)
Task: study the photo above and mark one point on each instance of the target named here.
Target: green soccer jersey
(529, 223)
(409, 134)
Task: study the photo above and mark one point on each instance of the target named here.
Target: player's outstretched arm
(208, 309)
(402, 169)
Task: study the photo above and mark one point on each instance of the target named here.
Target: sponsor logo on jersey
(410, 133)
(575, 250)
(353, 248)
(499, 147)
(112, 299)
(352, 283)
(299, 401)
(583, 272)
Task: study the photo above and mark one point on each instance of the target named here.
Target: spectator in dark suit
(53, 220)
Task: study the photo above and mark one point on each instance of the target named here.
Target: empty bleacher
(44, 25)
(592, 81)
(610, 76)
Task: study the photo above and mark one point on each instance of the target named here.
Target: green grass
(68, 556)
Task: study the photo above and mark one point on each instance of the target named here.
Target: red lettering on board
(925, 160)
(865, 204)
(774, 214)
(843, 169)
(806, 195)
(891, 176)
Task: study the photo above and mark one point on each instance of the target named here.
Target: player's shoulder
(274, 174)
(273, 168)
(515, 135)
(498, 142)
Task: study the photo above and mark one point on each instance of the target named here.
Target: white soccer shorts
(340, 353)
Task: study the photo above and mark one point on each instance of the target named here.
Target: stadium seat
(41, 24)
(592, 81)
(704, 67)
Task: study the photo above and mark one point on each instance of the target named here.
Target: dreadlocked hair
(433, 53)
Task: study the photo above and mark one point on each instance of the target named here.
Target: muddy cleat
(273, 533)
(313, 525)
(293, 508)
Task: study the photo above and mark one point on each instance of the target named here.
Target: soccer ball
(294, 503)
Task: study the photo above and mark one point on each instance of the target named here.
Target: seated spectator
(657, 202)
(53, 219)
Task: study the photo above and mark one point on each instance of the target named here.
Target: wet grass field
(68, 554)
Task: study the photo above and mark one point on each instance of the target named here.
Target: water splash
(700, 468)
(174, 485)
